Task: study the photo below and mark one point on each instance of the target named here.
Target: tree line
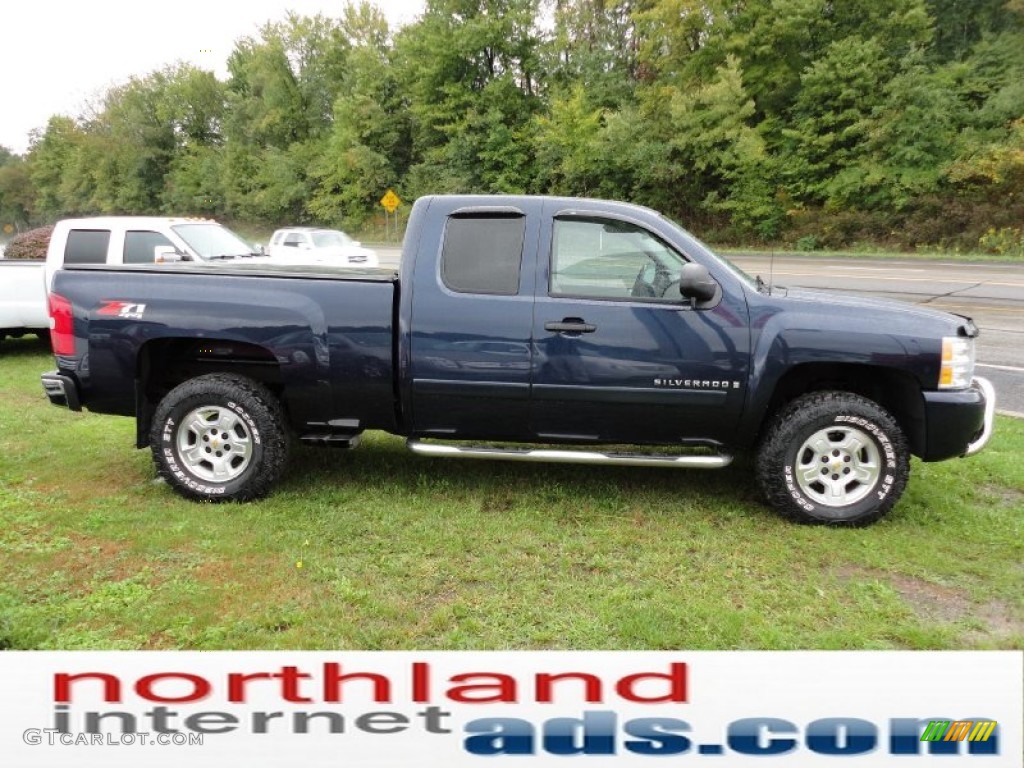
(813, 122)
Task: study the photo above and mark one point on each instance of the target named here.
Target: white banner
(452, 709)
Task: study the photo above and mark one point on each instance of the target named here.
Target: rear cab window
(483, 253)
(87, 246)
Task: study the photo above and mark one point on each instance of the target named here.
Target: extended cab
(565, 327)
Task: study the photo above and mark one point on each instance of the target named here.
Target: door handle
(570, 325)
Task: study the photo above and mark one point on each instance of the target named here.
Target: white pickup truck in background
(24, 284)
(23, 306)
(141, 240)
(312, 245)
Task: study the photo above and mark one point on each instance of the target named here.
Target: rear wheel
(834, 458)
(220, 437)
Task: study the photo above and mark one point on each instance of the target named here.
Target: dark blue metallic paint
(412, 357)
(331, 339)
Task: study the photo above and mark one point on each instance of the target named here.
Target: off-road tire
(254, 426)
(813, 441)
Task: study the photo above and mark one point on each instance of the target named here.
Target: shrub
(807, 243)
(29, 245)
(1007, 241)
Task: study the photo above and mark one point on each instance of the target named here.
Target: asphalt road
(992, 294)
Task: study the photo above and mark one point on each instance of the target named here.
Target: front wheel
(219, 437)
(834, 458)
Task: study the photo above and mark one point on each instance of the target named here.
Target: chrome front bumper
(990, 415)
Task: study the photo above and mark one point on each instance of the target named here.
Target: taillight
(62, 326)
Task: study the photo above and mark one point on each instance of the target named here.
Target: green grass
(380, 549)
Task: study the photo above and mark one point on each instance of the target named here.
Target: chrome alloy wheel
(838, 466)
(214, 443)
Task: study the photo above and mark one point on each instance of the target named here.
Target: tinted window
(608, 259)
(483, 254)
(293, 240)
(138, 246)
(87, 246)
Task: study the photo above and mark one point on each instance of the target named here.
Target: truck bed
(327, 332)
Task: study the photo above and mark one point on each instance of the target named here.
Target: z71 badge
(125, 309)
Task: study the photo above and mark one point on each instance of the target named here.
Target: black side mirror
(695, 282)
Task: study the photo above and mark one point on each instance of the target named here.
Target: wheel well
(163, 364)
(896, 391)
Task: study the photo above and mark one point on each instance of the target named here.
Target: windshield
(329, 239)
(212, 241)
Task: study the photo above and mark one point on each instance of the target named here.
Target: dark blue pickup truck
(524, 328)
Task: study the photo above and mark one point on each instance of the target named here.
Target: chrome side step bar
(568, 456)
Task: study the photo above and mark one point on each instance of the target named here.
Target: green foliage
(912, 139)
(596, 46)
(52, 156)
(891, 119)
(194, 185)
(831, 122)
(565, 142)
(807, 243)
(1004, 241)
(17, 195)
(368, 148)
(959, 26)
(722, 156)
(468, 70)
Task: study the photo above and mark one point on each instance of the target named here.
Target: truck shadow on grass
(29, 345)
(382, 465)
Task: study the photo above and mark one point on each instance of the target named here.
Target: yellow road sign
(8, 228)
(390, 201)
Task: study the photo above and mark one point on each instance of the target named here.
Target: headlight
(957, 363)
